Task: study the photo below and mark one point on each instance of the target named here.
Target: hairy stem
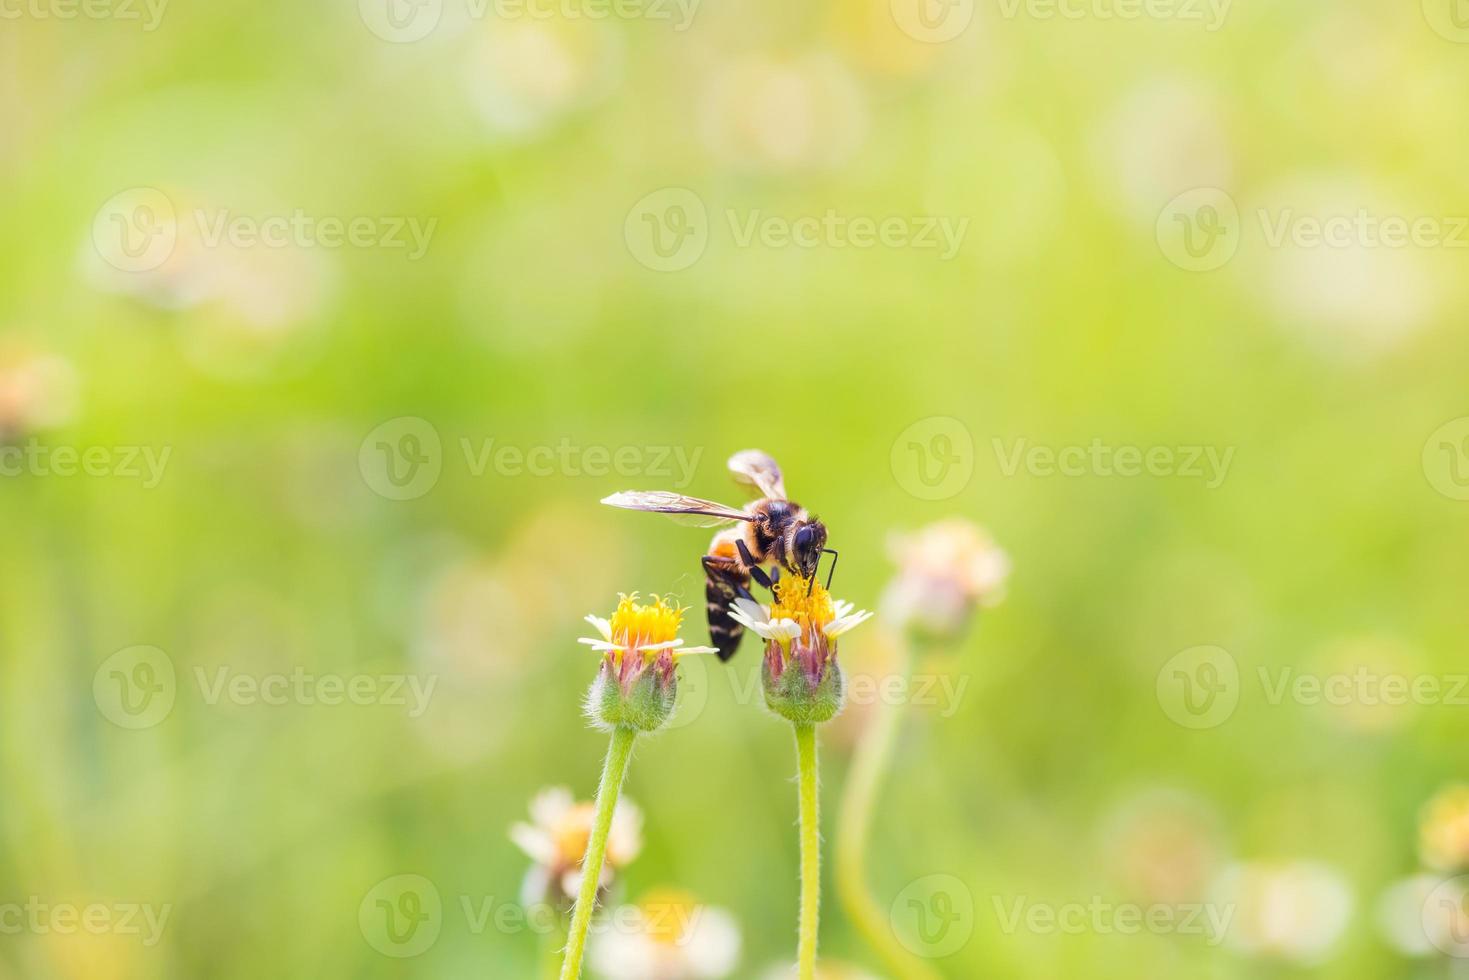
(810, 850)
(607, 792)
(854, 830)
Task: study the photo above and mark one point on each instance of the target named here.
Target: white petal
(603, 627)
(682, 650)
(536, 844)
(839, 626)
(752, 610)
(660, 646)
(601, 646)
(787, 629)
(762, 627)
(841, 608)
(551, 804)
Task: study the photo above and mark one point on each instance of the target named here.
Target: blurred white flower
(784, 113)
(251, 305)
(668, 935)
(525, 75)
(945, 571)
(556, 841)
(1344, 289)
(38, 390)
(1443, 829)
(1295, 911)
(1165, 137)
(1406, 915)
(825, 970)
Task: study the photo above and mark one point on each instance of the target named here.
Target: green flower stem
(854, 831)
(618, 754)
(810, 850)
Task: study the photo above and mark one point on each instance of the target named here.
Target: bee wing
(689, 510)
(759, 470)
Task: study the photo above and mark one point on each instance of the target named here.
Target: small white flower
(556, 841)
(667, 936)
(1295, 911)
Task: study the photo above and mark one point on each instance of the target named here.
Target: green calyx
(797, 697)
(641, 700)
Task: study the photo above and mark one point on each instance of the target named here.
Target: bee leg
(775, 574)
(758, 574)
(833, 570)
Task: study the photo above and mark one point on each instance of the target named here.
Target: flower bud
(807, 686)
(946, 571)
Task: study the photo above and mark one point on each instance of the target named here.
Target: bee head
(807, 540)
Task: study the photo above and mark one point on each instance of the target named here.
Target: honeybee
(776, 530)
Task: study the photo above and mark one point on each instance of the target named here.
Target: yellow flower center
(667, 914)
(803, 600)
(572, 832)
(635, 625)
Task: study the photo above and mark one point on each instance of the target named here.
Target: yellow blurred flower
(1443, 829)
(38, 390)
(668, 935)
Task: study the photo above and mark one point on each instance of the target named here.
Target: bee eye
(804, 537)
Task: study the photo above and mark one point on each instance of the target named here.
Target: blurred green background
(584, 184)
